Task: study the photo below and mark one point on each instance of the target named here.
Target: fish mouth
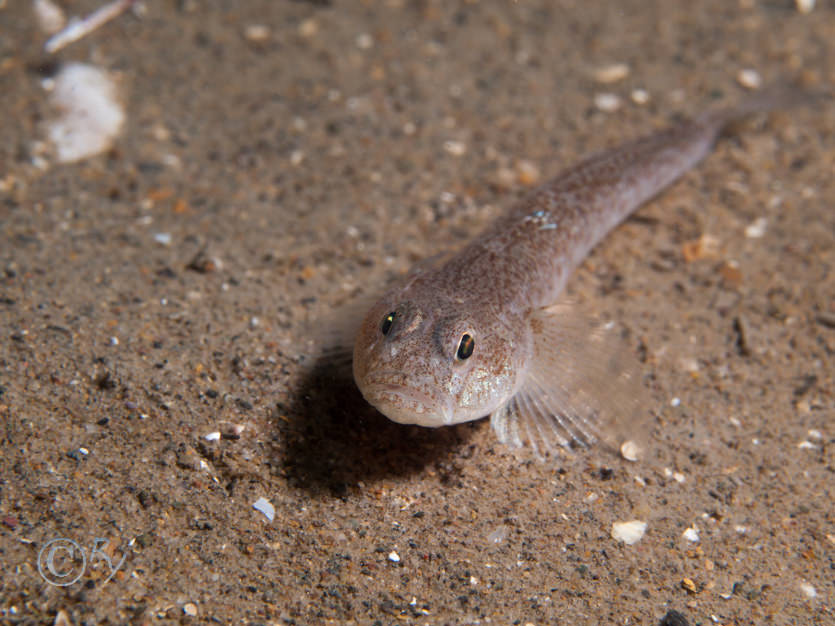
(407, 405)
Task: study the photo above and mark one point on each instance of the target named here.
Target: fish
(484, 331)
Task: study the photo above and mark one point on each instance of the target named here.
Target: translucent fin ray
(580, 387)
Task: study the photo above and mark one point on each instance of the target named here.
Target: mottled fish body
(482, 334)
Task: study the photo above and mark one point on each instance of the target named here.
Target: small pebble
(364, 41)
(629, 450)
(62, 619)
(689, 585)
(265, 506)
(455, 148)
(675, 402)
(611, 73)
(607, 102)
(394, 557)
(213, 436)
(163, 239)
(639, 96)
(689, 364)
(527, 173)
(705, 247)
(308, 28)
(91, 114)
(826, 319)
(750, 79)
(674, 618)
(50, 16)
(756, 229)
(629, 532)
(190, 609)
(808, 590)
(691, 534)
(257, 33)
(805, 6)
(160, 132)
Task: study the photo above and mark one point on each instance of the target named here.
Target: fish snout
(404, 402)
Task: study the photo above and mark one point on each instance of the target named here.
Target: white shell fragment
(394, 557)
(455, 148)
(630, 450)
(50, 16)
(691, 534)
(639, 96)
(756, 229)
(629, 532)
(750, 79)
(213, 436)
(81, 27)
(90, 116)
(804, 6)
(611, 73)
(257, 33)
(607, 102)
(808, 590)
(265, 506)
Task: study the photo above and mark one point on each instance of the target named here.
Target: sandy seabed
(162, 303)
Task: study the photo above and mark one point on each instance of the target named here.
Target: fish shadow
(332, 439)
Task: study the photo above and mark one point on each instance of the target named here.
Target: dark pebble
(674, 618)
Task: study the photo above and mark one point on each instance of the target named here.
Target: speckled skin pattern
(493, 288)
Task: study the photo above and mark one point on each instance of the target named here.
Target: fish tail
(777, 97)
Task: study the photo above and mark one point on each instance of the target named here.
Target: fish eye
(465, 347)
(388, 320)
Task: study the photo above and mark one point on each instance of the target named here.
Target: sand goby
(481, 332)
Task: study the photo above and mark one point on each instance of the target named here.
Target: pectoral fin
(581, 387)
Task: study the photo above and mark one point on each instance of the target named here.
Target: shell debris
(630, 450)
(629, 532)
(91, 116)
(750, 79)
(756, 229)
(804, 6)
(50, 16)
(808, 590)
(611, 73)
(607, 102)
(691, 534)
(265, 506)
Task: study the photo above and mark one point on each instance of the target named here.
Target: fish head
(423, 358)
